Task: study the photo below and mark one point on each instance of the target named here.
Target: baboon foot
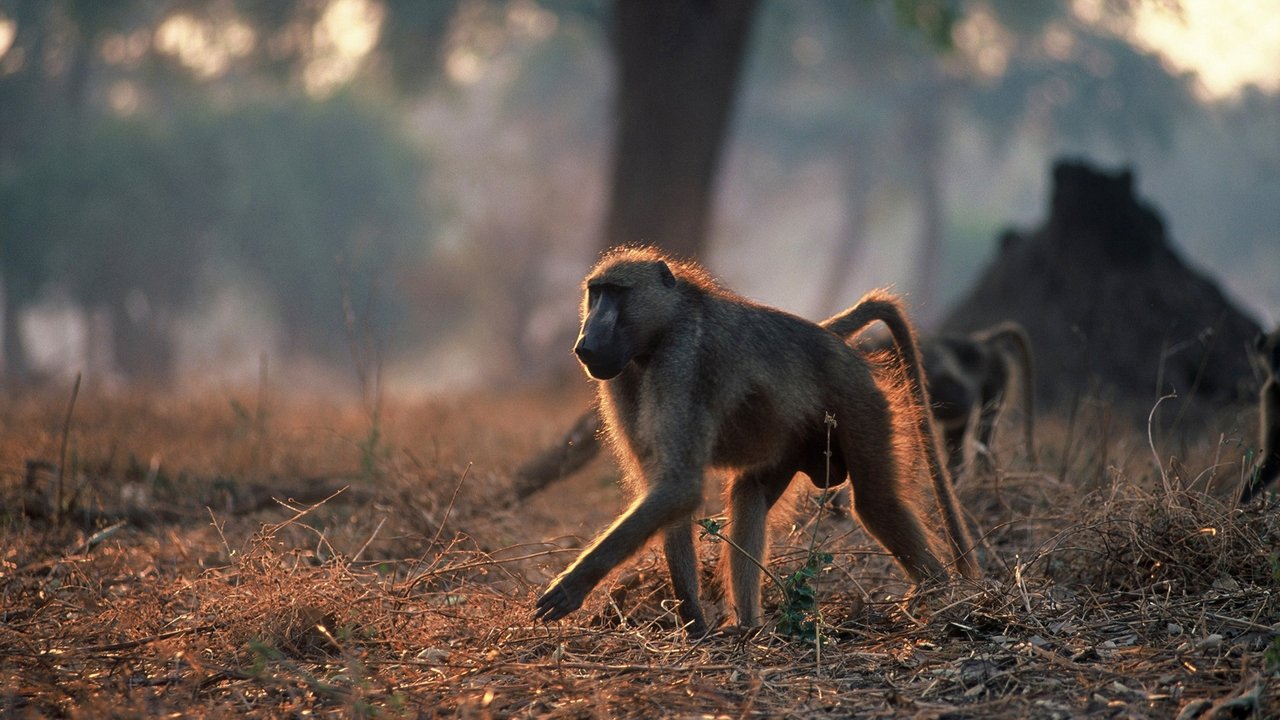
(694, 622)
(696, 629)
(736, 631)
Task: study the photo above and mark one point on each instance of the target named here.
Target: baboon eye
(617, 292)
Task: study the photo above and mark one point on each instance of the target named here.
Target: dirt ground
(252, 554)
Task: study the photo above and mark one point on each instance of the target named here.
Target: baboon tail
(1013, 335)
(883, 306)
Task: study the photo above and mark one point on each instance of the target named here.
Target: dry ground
(230, 556)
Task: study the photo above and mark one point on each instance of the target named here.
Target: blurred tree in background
(678, 66)
(145, 143)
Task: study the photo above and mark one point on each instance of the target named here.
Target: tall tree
(123, 209)
(678, 66)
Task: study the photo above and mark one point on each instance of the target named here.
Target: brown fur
(694, 376)
(880, 306)
(1267, 469)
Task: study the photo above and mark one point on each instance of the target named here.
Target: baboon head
(629, 298)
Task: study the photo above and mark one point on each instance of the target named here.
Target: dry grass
(185, 580)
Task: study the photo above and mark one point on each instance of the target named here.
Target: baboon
(692, 375)
(1267, 469)
(969, 376)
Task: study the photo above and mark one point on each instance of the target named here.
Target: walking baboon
(969, 376)
(1267, 469)
(691, 375)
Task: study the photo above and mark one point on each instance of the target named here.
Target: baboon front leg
(682, 561)
(953, 443)
(668, 501)
(987, 419)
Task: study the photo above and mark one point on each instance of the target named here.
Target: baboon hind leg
(882, 506)
(988, 416)
(750, 496)
(682, 562)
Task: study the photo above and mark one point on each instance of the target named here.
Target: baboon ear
(665, 273)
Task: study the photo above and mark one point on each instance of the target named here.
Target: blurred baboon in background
(1267, 468)
(969, 377)
(691, 376)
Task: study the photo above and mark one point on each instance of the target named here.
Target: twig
(261, 448)
(1022, 586)
(715, 533)
(99, 536)
(214, 520)
(449, 509)
(610, 667)
(360, 552)
(1164, 478)
(830, 421)
(62, 453)
(131, 644)
(436, 538)
(1241, 623)
(487, 562)
(299, 513)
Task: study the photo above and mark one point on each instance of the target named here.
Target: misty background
(191, 190)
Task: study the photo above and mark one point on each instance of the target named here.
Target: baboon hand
(559, 600)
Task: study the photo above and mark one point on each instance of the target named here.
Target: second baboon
(969, 377)
(1267, 468)
(693, 376)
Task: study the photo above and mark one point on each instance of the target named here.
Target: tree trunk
(678, 67)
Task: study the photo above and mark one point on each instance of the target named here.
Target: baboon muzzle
(599, 365)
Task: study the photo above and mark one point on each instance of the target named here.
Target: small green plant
(800, 615)
(367, 357)
(263, 655)
(372, 452)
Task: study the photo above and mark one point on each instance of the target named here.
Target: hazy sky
(1228, 43)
